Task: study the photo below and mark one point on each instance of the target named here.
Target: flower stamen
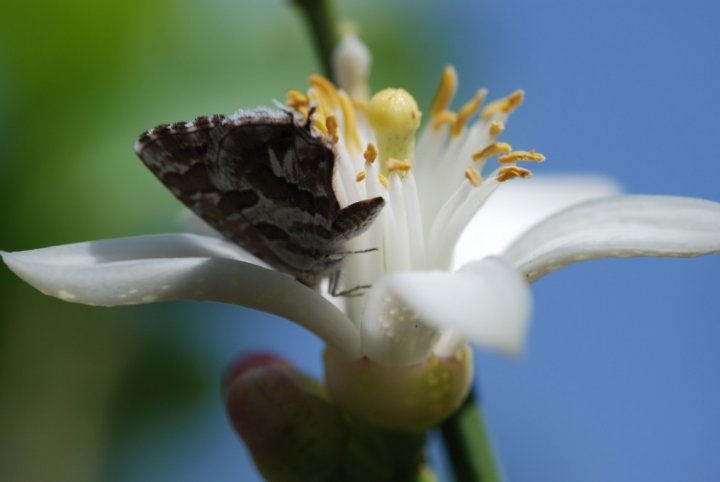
(318, 123)
(473, 175)
(496, 128)
(467, 111)
(517, 156)
(332, 128)
(298, 101)
(383, 180)
(395, 165)
(324, 92)
(511, 172)
(370, 153)
(296, 98)
(503, 106)
(352, 137)
(360, 176)
(444, 117)
(446, 91)
(492, 150)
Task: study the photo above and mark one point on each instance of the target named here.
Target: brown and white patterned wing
(262, 180)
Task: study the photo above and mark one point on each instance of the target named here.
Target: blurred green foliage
(79, 80)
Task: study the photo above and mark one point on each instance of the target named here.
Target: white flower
(414, 321)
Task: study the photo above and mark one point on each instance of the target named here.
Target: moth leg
(333, 282)
(334, 285)
(352, 292)
(335, 291)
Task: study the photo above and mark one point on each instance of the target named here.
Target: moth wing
(258, 178)
(183, 156)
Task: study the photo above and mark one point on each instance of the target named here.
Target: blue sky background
(619, 381)
(620, 378)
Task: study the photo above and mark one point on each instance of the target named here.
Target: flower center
(394, 117)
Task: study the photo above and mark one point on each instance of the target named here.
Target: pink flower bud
(291, 431)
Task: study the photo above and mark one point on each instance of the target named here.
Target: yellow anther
(352, 136)
(505, 105)
(323, 85)
(320, 102)
(467, 111)
(514, 100)
(296, 98)
(370, 153)
(303, 110)
(496, 128)
(516, 156)
(473, 175)
(319, 124)
(394, 116)
(332, 127)
(446, 91)
(298, 101)
(324, 93)
(444, 117)
(511, 172)
(360, 176)
(396, 165)
(383, 180)
(492, 150)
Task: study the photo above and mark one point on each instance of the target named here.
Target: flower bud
(351, 64)
(291, 431)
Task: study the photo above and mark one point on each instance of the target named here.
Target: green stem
(321, 18)
(382, 455)
(468, 444)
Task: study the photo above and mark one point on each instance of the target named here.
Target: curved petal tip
(486, 302)
(617, 227)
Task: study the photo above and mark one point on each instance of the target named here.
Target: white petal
(398, 234)
(164, 268)
(414, 222)
(459, 219)
(139, 247)
(487, 302)
(521, 203)
(620, 226)
(192, 223)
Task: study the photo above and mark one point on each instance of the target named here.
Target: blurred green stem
(322, 21)
(468, 444)
(381, 455)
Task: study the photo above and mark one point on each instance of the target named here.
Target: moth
(264, 180)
